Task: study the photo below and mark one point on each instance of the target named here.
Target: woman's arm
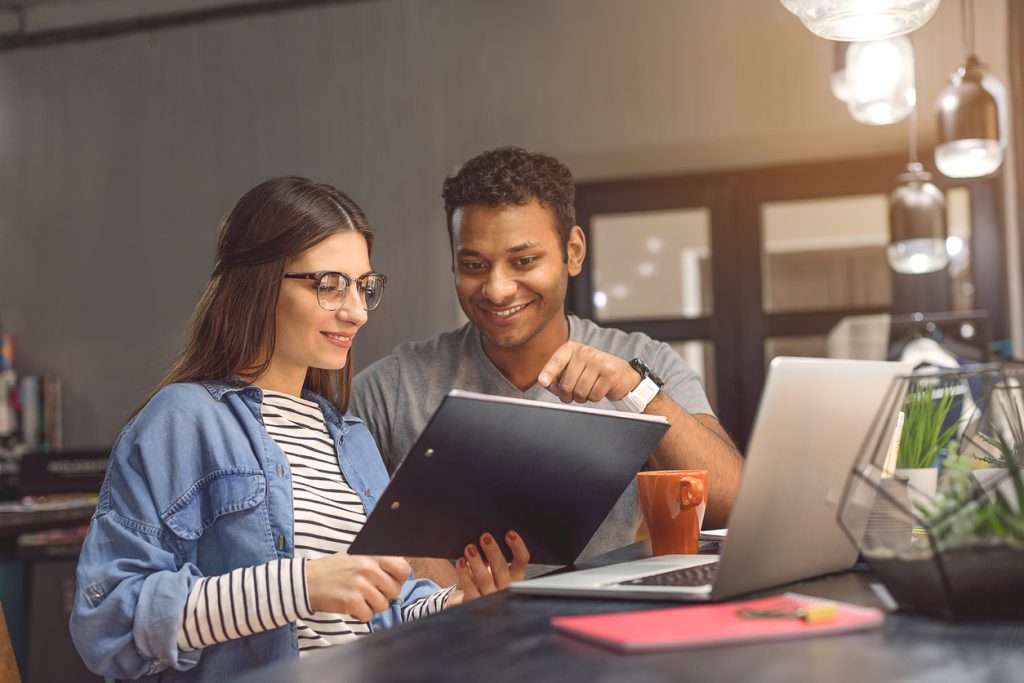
(243, 602)
(130, 594)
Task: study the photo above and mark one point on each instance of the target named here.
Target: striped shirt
(328, 515)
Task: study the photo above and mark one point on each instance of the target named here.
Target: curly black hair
(511, 176)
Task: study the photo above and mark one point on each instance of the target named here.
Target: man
(511, 224)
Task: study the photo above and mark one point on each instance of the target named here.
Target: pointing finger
(553, 368)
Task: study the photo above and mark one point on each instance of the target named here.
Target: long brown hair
(233, 329)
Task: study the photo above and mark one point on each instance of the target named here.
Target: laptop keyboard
(699, 575)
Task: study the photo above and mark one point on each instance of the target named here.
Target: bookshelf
(30, 415)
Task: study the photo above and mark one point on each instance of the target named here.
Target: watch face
(645, 371)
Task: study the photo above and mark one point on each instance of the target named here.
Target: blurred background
(734, 206)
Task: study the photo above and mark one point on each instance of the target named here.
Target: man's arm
(438, 570)
(698, 442)
(583, 374)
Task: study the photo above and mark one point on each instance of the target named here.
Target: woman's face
(307, 335)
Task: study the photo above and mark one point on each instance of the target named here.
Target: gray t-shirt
(397, 395)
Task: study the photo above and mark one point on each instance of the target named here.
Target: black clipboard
(484, 463)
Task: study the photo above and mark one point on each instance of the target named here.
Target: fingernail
(544, 380)
(471, 550)
(461, 563)
(511, 536)
(487, 539)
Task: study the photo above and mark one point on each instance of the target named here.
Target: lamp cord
(912, 122)
(913, 134)
(967, 21)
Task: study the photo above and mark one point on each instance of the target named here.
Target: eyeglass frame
(360, 282)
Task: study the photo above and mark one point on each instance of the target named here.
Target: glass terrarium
(951, 542)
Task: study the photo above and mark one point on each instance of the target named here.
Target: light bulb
(880, 80)
(917, 256)
(969, 158)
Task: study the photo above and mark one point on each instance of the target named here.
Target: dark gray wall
(119, 156)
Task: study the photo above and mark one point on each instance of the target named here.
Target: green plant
(923, 434)
(963, 514)
(1009, 459)
(1009, 453)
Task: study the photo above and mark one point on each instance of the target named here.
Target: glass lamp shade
(880, 80)
(840, 88)
(971, 121)
(852, 20)
(917, 224)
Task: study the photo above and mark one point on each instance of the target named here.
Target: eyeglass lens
(333, 288)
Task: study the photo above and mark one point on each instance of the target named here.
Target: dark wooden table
(508, 638)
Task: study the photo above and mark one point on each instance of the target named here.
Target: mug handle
(691, 492)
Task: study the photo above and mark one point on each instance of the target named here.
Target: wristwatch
(637, 400)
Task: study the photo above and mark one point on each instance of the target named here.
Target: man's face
(510, 274)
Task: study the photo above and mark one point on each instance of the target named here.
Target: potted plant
(927, 432)
(966, 558)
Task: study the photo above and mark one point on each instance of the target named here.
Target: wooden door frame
(1015, 30)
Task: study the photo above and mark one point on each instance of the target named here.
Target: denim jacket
(196, 487)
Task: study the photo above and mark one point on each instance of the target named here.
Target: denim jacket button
(366, 493)
(280, 542)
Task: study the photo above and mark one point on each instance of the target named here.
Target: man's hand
(694, 442)
(584, 374)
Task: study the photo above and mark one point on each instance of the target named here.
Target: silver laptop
(812, 420)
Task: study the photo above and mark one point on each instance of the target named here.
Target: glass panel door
(651, 264)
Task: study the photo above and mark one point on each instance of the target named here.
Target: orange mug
(673, 503)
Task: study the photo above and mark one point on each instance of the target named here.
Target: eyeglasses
(332, 287)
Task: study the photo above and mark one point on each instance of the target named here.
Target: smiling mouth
(508, 311)
(336, 337)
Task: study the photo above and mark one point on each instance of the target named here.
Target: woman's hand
(356, 585)
(486, 570)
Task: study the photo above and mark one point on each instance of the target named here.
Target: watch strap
(637, 400)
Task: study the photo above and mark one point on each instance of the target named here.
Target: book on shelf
(30, 407)
(30, 414)
(8, 404)
(765, 619)
(50, 412)
(30, 411)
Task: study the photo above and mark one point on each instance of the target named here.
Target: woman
(219, 539)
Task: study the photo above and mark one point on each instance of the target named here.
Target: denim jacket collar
(218, 389)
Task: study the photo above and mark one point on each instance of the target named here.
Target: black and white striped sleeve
(432, 604)
(243, 602)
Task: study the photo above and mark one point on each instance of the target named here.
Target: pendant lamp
(971, 115)
(917, 218)
(880, 80)
(840, 88)
(851, 20)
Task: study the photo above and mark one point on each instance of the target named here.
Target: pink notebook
(712, 625)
